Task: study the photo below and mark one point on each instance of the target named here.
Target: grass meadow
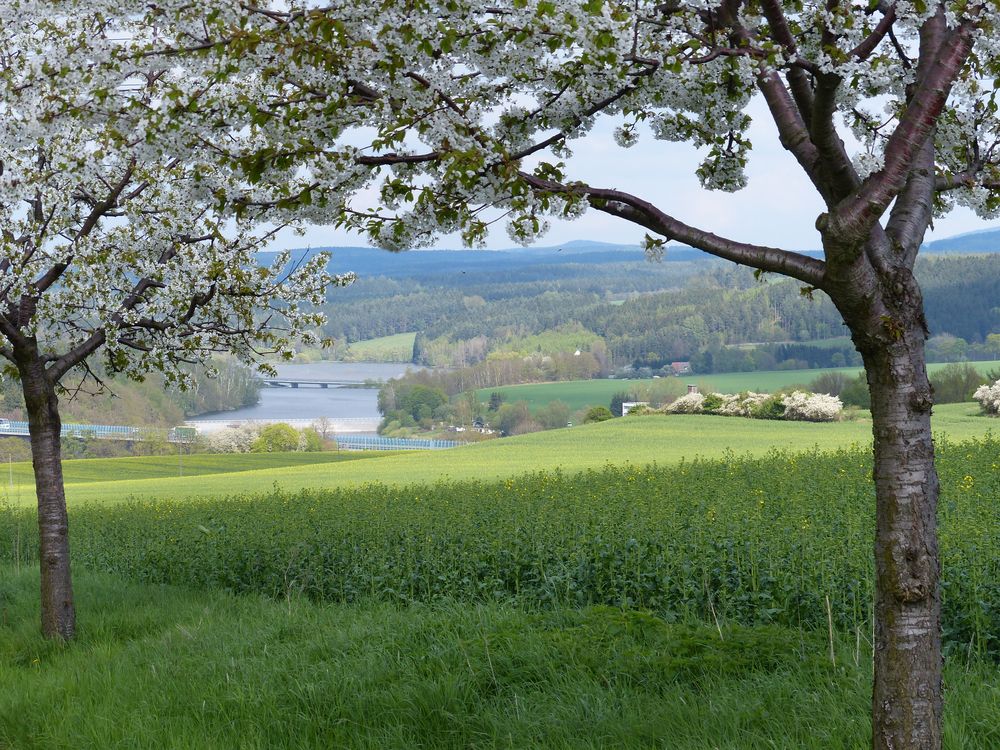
(737, 539)
(579, 394)
(480, 598)
(85, 470)
(395, 348)
(635, 440)
(682, 606)
(167, 667)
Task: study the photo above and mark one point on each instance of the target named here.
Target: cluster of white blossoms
(797, 406)
(471, 93)
(801, 406)
(739, 404)
(988, 397)
(689, 403)
(233, 439)
(127, 223)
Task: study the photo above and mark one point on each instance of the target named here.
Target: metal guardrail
(11, 427)
(188, 433)
(374, 443)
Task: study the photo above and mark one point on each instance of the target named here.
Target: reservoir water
(311, 402)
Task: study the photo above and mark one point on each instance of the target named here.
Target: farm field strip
(636, 440)
(85, 470)
(578, 394)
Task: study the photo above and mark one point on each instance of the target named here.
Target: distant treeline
(648, 315)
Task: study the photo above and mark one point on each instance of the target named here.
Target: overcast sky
(778, 207)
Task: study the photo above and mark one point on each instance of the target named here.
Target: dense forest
(146, 403)
(644, 315)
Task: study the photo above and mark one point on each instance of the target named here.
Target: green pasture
(17, 476)
(578, 394)
(395, 348)
(165, 667)
(638, 440)
(828, 343)
(683, 606)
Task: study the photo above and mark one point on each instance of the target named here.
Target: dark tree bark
(44, 426)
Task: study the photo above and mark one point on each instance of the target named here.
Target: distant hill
(983, 241)
(370, 261)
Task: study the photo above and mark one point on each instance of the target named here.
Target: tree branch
(854, 217)
(797, 78)
(629, 207)
(965, 179)
(841, 179)
(869, 43)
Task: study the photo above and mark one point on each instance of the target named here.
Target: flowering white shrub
(739, 405)
(233, 439)
(689, 403)
(811, 407)
(988, 397)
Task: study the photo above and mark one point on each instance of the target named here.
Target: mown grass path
(17, 479)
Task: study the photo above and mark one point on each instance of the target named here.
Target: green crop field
(578, 394)
(638, 440)
(745, 539)
(395, 348)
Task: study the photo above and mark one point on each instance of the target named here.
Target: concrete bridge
(269, 382)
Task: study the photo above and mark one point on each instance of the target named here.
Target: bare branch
(629, 207)
(869, 43)
(854, 216)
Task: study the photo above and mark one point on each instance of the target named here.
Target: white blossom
(988, 397)
(811, 407)
(689, 403)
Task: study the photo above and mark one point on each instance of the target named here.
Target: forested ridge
(649, 314)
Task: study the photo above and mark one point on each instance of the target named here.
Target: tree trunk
(906, 698)
(44, 426)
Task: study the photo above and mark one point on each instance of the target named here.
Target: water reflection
(312, 402)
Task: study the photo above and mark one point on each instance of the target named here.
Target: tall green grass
(161, 667)
(752, 540)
